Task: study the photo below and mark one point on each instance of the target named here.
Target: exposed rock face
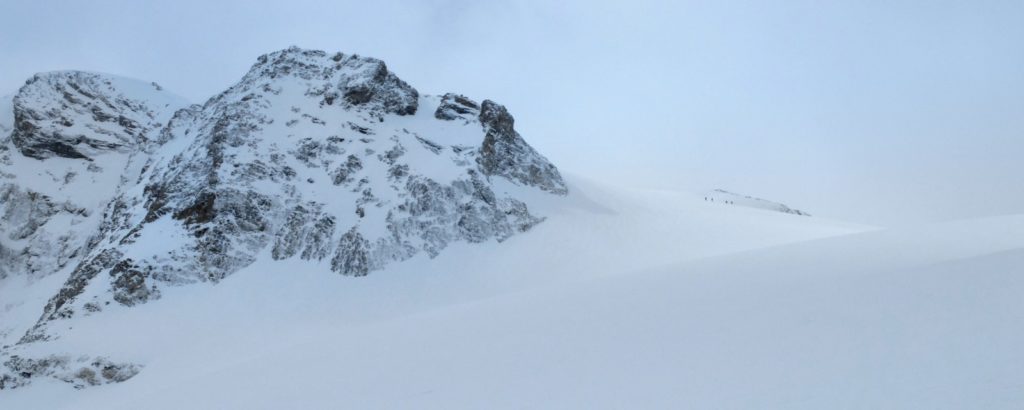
(66, 159)
(327, 158)
(80, 373)
(350, 80)
(457, 106)
(80, 115)
(505, 153)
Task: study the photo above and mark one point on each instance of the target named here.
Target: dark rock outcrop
(352, 80)
(454, 106)
(505, 153)
(82, 372)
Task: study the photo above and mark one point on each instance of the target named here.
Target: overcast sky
(885, 112)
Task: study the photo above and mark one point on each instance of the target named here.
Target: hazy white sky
(883, 112)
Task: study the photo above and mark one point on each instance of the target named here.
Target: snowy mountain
(323, 235)
(71, 135)
(329, 159)
(730, 198)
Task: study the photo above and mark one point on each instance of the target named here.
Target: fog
(882, 112)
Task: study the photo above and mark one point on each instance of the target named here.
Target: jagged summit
(327, 159)
(349, 80)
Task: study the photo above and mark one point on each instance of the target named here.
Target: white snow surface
(621, 299)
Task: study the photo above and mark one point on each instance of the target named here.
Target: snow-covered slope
(922, 317)
(594, 231)
(834, 324)
(70, 140)
(722, 196)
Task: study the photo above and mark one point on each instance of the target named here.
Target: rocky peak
(50, 207)
(349, 80)
(457, 106)
(326, 159)
(80, 115)
(505, 153)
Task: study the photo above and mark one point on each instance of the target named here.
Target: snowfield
(621, 299)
